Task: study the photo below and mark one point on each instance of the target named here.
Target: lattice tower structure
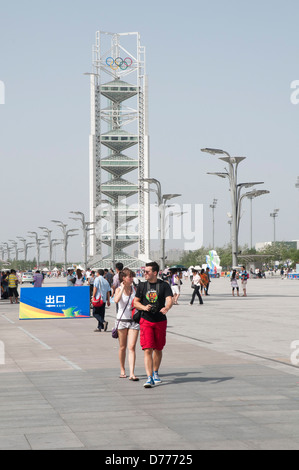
(119, 124)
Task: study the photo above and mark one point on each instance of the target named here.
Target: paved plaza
(229, 380)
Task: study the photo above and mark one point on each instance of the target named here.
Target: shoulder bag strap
(148, 287)
(125, 308)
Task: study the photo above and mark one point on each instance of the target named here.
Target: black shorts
(13, 291)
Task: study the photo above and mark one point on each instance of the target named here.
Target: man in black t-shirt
(154, 299)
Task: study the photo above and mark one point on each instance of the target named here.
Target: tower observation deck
(118, 146)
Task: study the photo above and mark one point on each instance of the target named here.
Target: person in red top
(204, 281)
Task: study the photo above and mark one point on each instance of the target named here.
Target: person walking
(204, 281)
(91, 282)
(234, 282)
(79, 278)
(101, 288)
(38, 279)
(244, 277)
(12, 287)
(71, 278)
(154, 299)
(4, 285)
(108, 276)
(196, 285)
(115, 282)
(209, 280)
(128, 330)
(175, 287)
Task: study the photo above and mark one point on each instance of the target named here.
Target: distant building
(172, 255)
(290, 244)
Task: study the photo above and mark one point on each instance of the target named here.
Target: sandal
(134, 379)
(122, 376)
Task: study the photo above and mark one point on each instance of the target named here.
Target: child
(234, 282)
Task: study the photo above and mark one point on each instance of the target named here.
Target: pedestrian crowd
(141, 307)
(9, 281)
(152, 299)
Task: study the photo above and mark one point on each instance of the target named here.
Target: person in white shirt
(79, 278)
(127, 329)
(196, 284)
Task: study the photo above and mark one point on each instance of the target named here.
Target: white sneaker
(149, 383)
(156, 378)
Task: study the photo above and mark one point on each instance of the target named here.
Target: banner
(54, 302)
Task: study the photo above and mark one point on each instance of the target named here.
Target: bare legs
(127, 339)
(233, 291)
(152, 360)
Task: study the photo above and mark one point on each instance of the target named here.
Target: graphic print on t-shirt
(151, 296)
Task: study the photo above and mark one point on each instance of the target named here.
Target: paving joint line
(189, 337)
(267, 358)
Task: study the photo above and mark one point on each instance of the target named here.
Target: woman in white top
(79, 278)
(127, 329)
(175, 287)
(196, 284)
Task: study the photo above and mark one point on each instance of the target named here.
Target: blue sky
(219, 76)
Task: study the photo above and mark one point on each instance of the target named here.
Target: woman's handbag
(115, 333)
(115, 330)
(136, 314)
(97, 302)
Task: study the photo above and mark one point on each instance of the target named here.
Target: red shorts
(152, 334)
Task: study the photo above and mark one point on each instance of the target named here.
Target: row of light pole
(236, 194)
(236, 199)
(38, 241)
(162, 200)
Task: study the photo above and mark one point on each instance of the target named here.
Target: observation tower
(118, 146)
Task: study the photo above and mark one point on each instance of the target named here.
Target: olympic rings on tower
(123, 64)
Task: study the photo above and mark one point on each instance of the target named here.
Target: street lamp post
(172, 214)
(66, 235)
(235, 192)
(38, 245)
(8, 249)
(85, 229)
(48, 232)
(15, 247)
(274, 214)
(17, 250)
(230, 225)
(251, 195)
(162, 199)
(213, 207)
(26, 246)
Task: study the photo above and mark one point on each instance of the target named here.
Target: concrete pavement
(228, 378)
